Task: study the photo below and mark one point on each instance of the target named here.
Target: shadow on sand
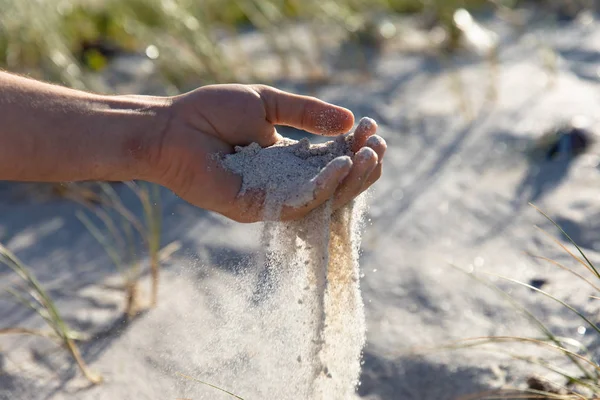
(417, 379)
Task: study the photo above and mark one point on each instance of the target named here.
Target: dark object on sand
(569, 140)
(538, 283)
(547, 387)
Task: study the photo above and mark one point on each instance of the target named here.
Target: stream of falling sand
(294, 325)
(325, 246)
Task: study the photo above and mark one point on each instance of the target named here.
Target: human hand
(214, 119)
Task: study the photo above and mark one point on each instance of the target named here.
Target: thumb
(304, 112)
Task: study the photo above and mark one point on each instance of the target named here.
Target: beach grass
(571, 360)
(46, 40)
(124, 236)
(33, 296)
(69, 42)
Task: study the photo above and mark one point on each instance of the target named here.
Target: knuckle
(260, 88)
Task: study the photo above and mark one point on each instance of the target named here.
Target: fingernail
(365, 153)
(375, 141)
(367, 123)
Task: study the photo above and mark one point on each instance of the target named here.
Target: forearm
(53, 134)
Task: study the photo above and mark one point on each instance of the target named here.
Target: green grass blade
(149, 197)
(11, 259)
(54, 318)
(528, 315)
(561, 302)
(29, 304)
(566, 250)
(120, 208)
(101, 238)
(106, 218)
(133, 261)
(578, 275)
(479, 341)
(568, 237)
(588, 383)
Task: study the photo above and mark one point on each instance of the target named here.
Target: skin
(54, 134)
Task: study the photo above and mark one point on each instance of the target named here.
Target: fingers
(324, 187)
(342, 179)
(366, 128)
(379, 146)
(250, 207)
(364, 162)
(303, 112)
(367, 167)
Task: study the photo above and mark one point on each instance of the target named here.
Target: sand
(454, 190)
(288, 171)
(309, 266)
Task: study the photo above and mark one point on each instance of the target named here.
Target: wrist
(134, 128)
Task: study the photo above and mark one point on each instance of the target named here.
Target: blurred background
(486, 105)
(117, 46)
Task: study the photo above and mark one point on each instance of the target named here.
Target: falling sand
(298, 330)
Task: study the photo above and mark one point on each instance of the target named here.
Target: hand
(213, 119)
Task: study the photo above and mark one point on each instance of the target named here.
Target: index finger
(304, 112)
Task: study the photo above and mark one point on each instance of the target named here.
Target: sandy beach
(457, 180)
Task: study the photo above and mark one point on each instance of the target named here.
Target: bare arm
(54, 134)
